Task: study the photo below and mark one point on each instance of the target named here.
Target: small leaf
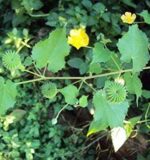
(119, 137)
(83, 68)
(8, 94)
(14, 116)
(49, 90)
(146, 16)
(129, 3)
(114, 63)
(52, 51)
(133, 46)
(83, 101)
(133, 84)
(75, 62)
(96, 126)
(100, 53)
(70, 93)
(99, 7)
(87, 4)
(95, 68)
(146, 94)
(129, 125)
(32, 4)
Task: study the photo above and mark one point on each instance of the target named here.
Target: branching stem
(41, 78)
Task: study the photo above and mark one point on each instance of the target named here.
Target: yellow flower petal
(128, 17)
(78, 38)
(128, 14)
(123, 17)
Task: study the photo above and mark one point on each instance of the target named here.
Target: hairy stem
(79, 78)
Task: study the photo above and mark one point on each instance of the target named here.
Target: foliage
(8, 95)
(137, 44)
(23, 140)
(44, 52)
(83, 55)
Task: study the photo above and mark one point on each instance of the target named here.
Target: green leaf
(52, 51)
(83, 101)
(114, 62)
(146, 94)
(107, 114)
(133, 46)
(133, 84)
(100, 53)
(75, 62)
(70, 93)
(87, 4)
(95, 68)
(16, 115)
(83, 68)
(49, 90)
(146, 16)
(129, 3)
(96, 126)
(32, 4)
(99, 8)
(8, 94)
(130, 124)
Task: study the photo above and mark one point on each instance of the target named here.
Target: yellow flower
(128, 17)
(78, 38)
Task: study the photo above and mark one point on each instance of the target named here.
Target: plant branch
(79, 78)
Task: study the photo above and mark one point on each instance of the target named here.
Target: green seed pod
(11, 60)
(115, 92)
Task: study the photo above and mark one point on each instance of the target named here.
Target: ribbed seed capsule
(11, 60)
(115, 92)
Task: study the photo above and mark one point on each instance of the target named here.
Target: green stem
(146, 115)
(25, 44)
(61, 110)
(19, 49)
(44, 70)
(88, 47)
(30, 81)
(80, 85)
(138, 22)
(115, 63)
(39, 15)
(37, 69)
(143, 121)
(89, 86)
(80, 78)
(32, 73)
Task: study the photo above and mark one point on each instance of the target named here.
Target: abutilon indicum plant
(120, 67)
